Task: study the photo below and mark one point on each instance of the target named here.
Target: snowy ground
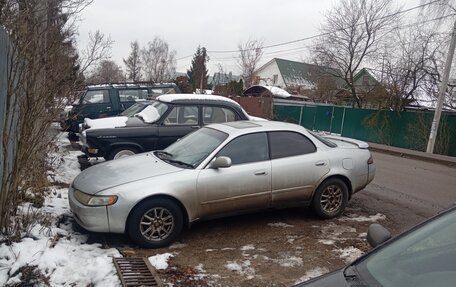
(281, 248)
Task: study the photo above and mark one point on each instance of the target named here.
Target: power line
(327, 33)
(300, 49)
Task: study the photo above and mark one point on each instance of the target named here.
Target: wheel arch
(344, 178)
(160, 196)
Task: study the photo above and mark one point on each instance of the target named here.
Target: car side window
(246, 149)
(132, 95)
(214, 115)
(96, 97)
(182, 115)
(285, 144)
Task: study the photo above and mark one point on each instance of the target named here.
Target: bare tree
(106, 72)
(351, 30)
(97, 50)
(41, 70)
(250, 54)
(159, 61)
(410, 64)
(133, 62)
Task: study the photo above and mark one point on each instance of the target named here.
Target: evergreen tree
(198, 73)
(133, 63)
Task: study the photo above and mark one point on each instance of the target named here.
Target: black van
(105, 100)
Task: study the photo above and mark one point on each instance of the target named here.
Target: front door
(245, 185)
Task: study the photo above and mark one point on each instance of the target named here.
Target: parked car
(167, 119)
(421, 257)
(220, 169)
(99, 101)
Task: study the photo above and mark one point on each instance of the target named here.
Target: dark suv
(161, 123)
(99, 101)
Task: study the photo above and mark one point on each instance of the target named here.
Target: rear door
(180, 121)
(297, 166)
(245, 185)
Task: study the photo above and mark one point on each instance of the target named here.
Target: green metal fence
(401, 129)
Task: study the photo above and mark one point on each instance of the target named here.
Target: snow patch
(149, 114)
(349, 254)
(106, 123)
(242, 268)
(248, 247)
(160, 261)
(177, 245)
(288, 261)
(280, 224)
(360, 218)
(326, 241)
(312, 274)
(176, 97)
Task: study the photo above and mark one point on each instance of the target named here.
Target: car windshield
(192, 149)
(424, 257)
(152, 113)
(134, 109)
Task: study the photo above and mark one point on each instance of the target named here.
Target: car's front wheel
(330, 198)
(122, 152)
(155, 223)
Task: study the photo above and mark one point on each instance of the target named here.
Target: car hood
(121, 171)
(106, 123)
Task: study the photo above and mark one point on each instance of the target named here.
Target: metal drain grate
(136, 271)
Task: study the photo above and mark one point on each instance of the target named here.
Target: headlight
(94, 200)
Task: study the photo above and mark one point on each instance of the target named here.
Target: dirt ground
(273, 248)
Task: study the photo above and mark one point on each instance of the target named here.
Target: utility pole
(441, 96)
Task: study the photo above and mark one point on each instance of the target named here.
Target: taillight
(370, 160)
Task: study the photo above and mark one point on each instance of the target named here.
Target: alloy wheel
(157, 224)
(331, 198)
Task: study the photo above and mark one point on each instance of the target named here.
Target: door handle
(260, 172)
(195, 127)
(320, 163)
(108, 108)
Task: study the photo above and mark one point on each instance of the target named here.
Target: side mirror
(377, 234)
(221, 162)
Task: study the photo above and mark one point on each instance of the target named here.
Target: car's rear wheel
(155, 223)
(330, 198)
(122, 152)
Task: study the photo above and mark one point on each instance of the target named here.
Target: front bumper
(91, 218)
(91, 152)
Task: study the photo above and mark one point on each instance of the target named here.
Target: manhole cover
(136, 271)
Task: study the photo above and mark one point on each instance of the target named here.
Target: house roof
(301, 74)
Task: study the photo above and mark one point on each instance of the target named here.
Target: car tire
(122, 152)
(330, 199)
(155, 223)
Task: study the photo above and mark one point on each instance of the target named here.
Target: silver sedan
(219, 170)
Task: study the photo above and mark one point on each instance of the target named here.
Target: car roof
(241, 127)
(200, 98)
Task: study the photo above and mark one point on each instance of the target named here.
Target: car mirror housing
(377, 234)
(221, 162)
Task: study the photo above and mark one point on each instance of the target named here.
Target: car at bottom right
(424, 256)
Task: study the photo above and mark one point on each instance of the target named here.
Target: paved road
(408, 190)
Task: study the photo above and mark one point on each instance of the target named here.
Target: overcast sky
(216, 25)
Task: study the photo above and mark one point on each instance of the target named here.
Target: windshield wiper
(163, 152)
(179, 162)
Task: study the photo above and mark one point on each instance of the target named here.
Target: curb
(407, 153)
